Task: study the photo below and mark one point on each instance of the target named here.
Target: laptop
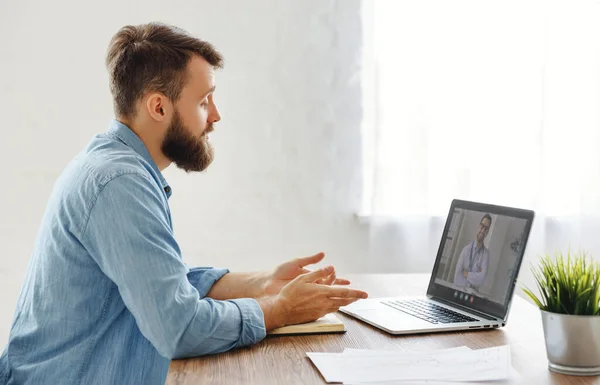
(473, 278)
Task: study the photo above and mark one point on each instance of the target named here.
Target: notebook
(326, 324)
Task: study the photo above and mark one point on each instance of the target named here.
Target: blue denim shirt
(107, 298)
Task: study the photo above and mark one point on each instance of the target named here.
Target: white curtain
(494, 101)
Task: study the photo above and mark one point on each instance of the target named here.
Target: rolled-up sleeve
(252, 316)
(128, 234)
(203, 278)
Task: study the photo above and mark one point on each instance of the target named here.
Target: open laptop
(473, 278)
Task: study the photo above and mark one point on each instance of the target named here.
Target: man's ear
(157, 106)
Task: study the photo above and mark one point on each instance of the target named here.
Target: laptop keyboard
(428, 311)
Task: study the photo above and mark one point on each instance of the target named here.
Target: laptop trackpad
(391, 319)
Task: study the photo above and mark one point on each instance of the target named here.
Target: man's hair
(487, 216)
(152, 57)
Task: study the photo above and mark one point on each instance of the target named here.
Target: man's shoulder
(106, 158)
(84, 179)
(102, 161)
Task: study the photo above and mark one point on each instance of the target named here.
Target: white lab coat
(475, 261)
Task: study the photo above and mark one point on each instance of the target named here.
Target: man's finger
(341, 281)
(316, 274)
(331, 279)
(303, 261)
(343, 292)
(339, 302)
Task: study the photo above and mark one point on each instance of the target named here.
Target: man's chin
(206, 166)
(197, 167)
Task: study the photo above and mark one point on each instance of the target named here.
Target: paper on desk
(513, 377)
(384, 352)
(454, 365)
(332, 365)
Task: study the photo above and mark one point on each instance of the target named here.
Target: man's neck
(479, 244)
(151, 142)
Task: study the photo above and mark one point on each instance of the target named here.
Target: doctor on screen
(472, 265)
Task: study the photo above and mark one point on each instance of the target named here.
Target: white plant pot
(572, 343)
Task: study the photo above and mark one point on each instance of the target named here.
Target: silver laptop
(473, 278)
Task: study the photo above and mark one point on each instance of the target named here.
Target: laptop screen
(480, 255)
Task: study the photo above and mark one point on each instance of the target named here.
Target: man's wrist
(261, 283)
(274, 316)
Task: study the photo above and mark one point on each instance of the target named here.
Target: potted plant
(569, 296)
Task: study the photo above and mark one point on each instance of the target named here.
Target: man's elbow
(161, 339)
(166, 350)
(203, 349)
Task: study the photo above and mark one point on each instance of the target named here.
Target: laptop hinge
(467, 309)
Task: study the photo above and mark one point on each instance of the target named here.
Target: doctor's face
(484, 228)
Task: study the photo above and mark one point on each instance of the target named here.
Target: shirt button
(167, 189)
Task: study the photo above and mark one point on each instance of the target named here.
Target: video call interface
(480, 256)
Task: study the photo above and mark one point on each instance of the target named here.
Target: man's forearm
(239, 285)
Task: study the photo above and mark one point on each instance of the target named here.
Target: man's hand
(287, 271)
(302, 300)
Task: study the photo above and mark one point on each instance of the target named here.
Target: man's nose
(215, 116)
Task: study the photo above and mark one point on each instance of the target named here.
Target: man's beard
(188, 152)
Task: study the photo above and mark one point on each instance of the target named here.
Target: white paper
(455, 365)
(384, 352)
(513, 379)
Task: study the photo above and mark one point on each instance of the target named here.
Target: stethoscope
(471, 259)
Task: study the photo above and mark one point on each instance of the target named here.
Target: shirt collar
(478, 249)
(129, 138)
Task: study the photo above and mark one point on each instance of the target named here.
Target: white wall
(286, 180)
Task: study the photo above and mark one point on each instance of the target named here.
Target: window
(495, 101)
